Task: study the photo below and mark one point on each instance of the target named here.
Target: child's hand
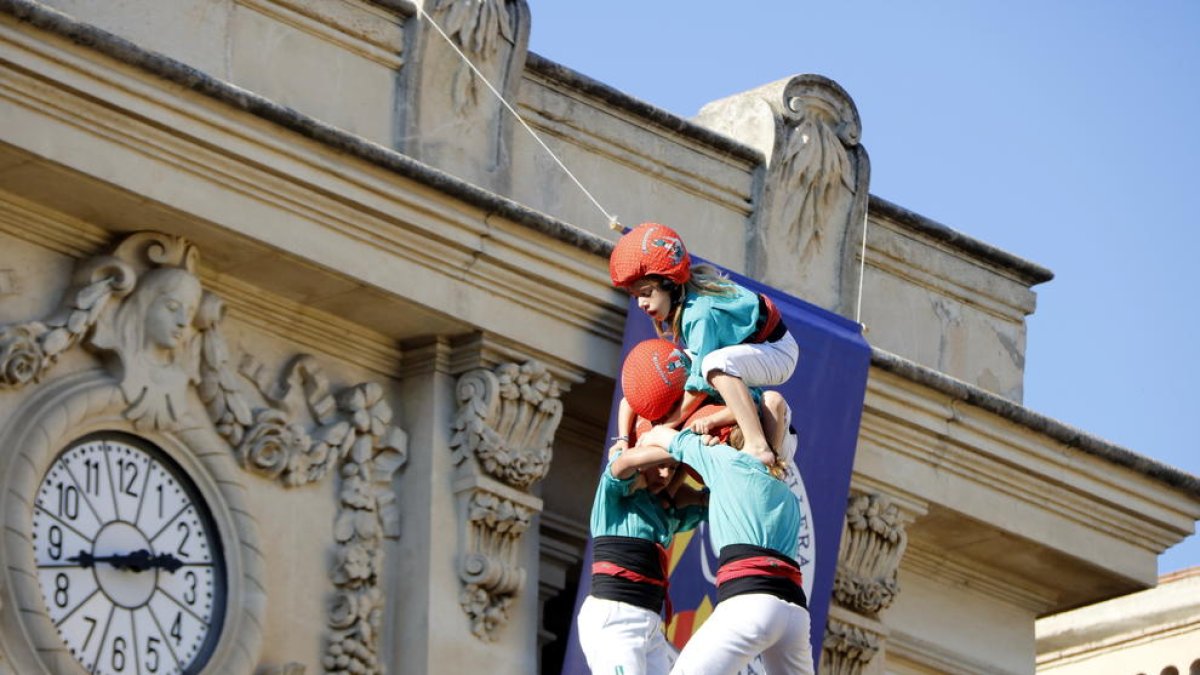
(616, 448)
(702, 426)
(709, 439)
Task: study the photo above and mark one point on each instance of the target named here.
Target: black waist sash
(636, 555)
(780, 587)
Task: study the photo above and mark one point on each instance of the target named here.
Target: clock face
(128, 558)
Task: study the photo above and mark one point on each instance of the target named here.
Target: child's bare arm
(640, 457)
(625, 419)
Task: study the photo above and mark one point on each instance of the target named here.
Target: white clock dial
(128, 559)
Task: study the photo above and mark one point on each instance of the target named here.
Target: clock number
(187, 532)
(92, 476)
(91, 629)
(118, 653)
(130, 468)
(56, 539)
(68, 501)
(160, 500)
(176, 628)
(190, 596)
(152, 653)
(61, 584)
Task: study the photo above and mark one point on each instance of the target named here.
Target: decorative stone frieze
(814, 197)
(142, 309)
(353, 437)
(865, 583)
(848, 646)
(506, 420)
(501, 442)
(491, 574)
(873, 542)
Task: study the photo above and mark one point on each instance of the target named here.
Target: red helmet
(653, 376)
(649, 248)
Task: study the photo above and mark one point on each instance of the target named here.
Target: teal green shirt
(746, 504)
(711, 322)
(618, 512)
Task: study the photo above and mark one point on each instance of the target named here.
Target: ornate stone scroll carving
(814, 197)
(489, 568)
(506, 419)
(502, 437)
(846, 648)
(873, 542)
(460, 126)
(865, 583)
(142, 308)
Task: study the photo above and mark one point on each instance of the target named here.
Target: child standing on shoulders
(736, 339)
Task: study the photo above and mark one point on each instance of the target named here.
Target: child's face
(656, 478)
(651, 298)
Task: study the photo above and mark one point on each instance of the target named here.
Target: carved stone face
(171, 311)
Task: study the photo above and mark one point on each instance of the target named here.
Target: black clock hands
(138, 561)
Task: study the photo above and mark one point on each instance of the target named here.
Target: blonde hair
(706, 279)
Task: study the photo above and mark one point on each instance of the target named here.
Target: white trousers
(743, 627)
(758, 364)
(622, 639)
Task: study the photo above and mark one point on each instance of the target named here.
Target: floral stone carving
(846, 649)
(873, 541)
(503, 432)
(143, 309)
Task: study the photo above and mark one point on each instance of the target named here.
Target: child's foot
(760, 452)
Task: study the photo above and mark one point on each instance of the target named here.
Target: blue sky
(1067, 133)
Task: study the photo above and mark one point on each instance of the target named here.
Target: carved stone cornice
(501, 442)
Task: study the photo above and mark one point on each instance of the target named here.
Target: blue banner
(826, 396)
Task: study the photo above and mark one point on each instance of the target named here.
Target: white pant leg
(621, 639)
(758, 364)
(743, 627)
(792, 653)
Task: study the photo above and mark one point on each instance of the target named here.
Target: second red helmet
(653, 376)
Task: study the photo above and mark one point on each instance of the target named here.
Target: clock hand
(138, 561)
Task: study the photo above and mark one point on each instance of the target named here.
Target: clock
(128, 558)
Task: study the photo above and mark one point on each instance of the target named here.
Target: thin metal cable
(421, 13)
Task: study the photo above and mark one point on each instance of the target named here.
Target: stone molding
(815, 189)
(144, 311)
(947, 569)
(393, 226)
(372, 33)
(501, 441)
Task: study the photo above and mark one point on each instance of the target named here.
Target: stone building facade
(1151, 632)
(288, 261)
